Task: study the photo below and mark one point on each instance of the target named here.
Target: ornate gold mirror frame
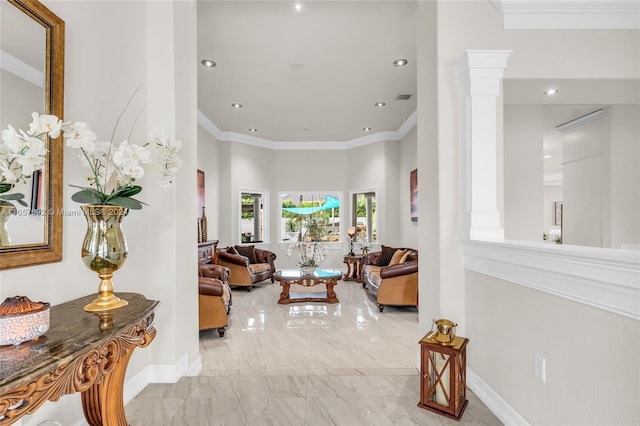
(50, 250)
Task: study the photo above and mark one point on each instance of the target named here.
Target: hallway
(303, 364)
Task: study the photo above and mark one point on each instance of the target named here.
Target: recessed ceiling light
(236, 105)
(253, 130)
(400, 62)
(547, 156)
(550, 92)
(298, 7)
(379, 104)
(366, 129)
(208, 63)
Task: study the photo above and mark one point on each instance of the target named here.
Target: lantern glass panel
(441, 378)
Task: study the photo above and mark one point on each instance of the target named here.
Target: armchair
(391, 276)
(214, 297)
(247, 265)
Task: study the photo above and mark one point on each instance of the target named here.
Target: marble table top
(71, 331)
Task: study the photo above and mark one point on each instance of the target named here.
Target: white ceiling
(346, 49)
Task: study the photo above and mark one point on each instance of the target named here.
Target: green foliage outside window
(318, 226)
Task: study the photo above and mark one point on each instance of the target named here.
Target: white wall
(104, 65)
(523, 189)
(584, 183)
(536, 54)
(435, 207)
(624, 166)
(591, 369)
(408, 234)
(390, 197)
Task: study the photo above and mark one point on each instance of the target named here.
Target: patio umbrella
(329, 203)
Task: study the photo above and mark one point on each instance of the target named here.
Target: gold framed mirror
(30, 19)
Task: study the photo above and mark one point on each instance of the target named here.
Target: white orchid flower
(112, 168)
(12, 140)
(78, 135)
(45, 124)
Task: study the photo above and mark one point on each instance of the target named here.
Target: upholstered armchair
(247, 265)
(214, 297)
(391, 276)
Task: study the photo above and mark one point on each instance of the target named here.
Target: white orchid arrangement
(311, 253)
(114, 168)
(22, 153)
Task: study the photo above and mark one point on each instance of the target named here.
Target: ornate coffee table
(329, 277)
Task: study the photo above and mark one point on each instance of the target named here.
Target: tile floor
(303, 364)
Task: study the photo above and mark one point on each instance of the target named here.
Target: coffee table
(328, 277)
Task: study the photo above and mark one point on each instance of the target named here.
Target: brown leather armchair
(214, 297)
(244, 270)
(392, 281)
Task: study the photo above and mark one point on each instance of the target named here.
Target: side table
(356, 263)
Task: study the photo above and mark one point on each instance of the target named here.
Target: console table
(207, 252)
(82, 352)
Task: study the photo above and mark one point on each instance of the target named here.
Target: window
(364, 217)
(311, 216)
(252, 217)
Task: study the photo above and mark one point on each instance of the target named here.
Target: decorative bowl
(22, 320)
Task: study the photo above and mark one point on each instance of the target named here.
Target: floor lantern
(443, 370)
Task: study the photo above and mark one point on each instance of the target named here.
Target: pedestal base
(105, 304)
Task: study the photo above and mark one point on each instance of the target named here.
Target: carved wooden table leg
(284, 296)
(103, 402)
(347, 275)
(331, 295)
(360, 265)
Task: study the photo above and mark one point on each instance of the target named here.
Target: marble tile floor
(303, 364)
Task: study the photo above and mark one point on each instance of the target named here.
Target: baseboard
(494, 402)
(158, 373)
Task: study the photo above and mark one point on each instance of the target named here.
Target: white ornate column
(480, 81)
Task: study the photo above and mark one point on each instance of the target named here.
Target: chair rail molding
(569, 14)
(602, 278)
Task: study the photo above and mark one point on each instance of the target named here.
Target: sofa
(214, 298)
(391, 276)
(247, 265)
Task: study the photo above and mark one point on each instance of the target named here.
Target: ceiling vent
(403, 97)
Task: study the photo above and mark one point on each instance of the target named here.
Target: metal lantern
(443, 367)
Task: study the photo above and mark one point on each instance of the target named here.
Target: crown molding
(569, 14)
(395, 135)
(21, 69)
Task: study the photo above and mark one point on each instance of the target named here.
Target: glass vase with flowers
(115, 169)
